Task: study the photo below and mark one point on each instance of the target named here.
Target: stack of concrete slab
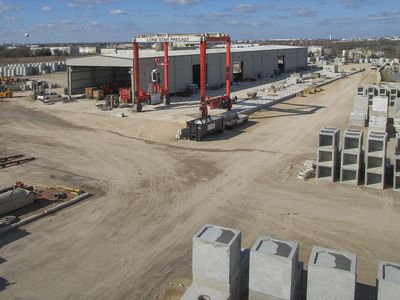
(357, 120)
(379, 114)
(215, 264)
(375, 160)
(328, 154)
(351, 157)
(275, 271)
(396, 114)
(388, 282)
(359, 115)
(331, 275)
(396, 169)
(377, 123)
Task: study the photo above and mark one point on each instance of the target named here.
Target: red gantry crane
(140, 96)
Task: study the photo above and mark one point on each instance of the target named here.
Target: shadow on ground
(4, 283)
(230, 133)
(11, 236)
(299, 109)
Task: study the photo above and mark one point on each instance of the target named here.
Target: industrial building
(184, 66)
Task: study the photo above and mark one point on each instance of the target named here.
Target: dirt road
(132, 239)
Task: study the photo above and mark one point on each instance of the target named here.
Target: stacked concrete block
(396, 169)
(396, 114)
(357, 120)
(375, 160)
(351, 157)
(331, 275)
(328, 154)
(388, 283)
(215, 264)
(275, 272)
(379, 114)
(359, 115)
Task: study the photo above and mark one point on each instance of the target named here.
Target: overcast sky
(119, 20)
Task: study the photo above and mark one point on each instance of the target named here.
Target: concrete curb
(44, 213)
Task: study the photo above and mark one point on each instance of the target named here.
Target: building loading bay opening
(281, 64)
(238, 71)
(196, 74)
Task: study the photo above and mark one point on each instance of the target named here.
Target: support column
(228, 69)
(203, 46)
(69, 81)
(136, 69)
(166, 79)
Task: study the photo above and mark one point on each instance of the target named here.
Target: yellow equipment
(5, 92)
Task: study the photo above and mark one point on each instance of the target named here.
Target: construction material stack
(375, 160)
(331, 275)
(396, 114)
(351, 157)
(396, 175)
(275, 271)
(379, 113)
(359, 115)
(328, 154)
(215, 264)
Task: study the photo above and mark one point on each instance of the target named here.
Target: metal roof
(125, 59)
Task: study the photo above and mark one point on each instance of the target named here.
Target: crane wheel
(8, 95)
(139, 107)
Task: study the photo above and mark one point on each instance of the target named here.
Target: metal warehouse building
(184, 66)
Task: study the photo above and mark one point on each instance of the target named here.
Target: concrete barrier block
(274, 269)
(216, 259)
(331, 275)
(388, 283)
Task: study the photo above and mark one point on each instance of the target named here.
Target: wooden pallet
(8, 161)
(5, 158)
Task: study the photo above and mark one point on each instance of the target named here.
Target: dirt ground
(132, 239)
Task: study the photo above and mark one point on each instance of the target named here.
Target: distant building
(85, 50)
(316, 50)
(60, 50)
